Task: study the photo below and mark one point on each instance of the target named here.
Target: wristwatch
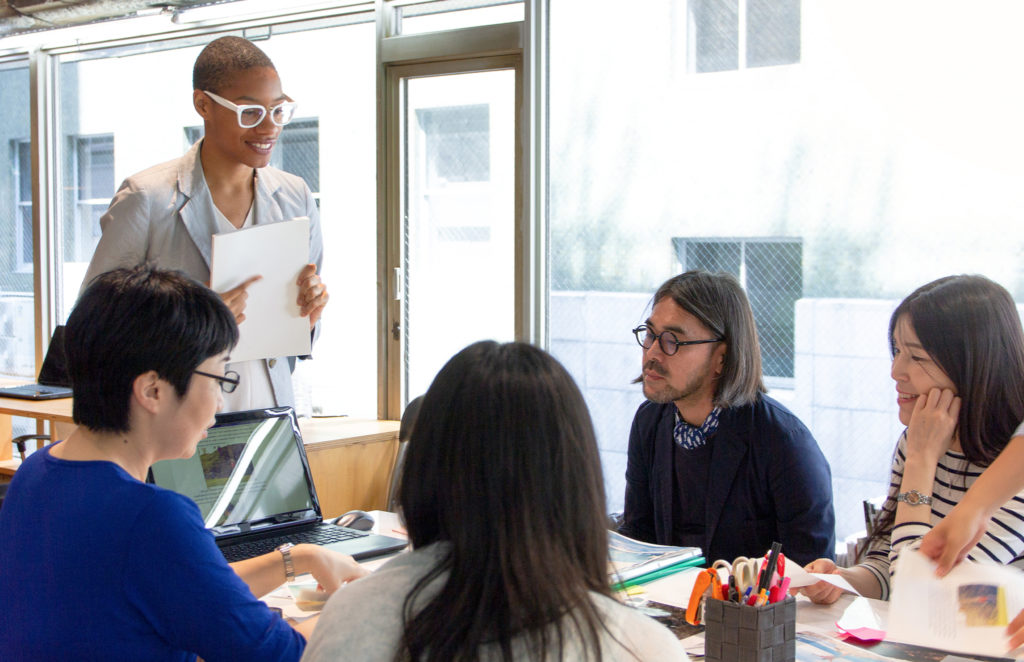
(914, 498)
(289, 567)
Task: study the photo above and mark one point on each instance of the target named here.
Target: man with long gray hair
(714, 462)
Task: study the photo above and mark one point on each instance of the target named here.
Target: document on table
(966, 611)
(800, 577)
(277, 252)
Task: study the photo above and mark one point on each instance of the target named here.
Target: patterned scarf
(689, 437)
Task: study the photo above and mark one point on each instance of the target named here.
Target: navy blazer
(770, 483)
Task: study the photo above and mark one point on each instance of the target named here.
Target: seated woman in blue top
(958, 363)
(97, 564)
(503, 499)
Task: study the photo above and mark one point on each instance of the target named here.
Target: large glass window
(889, 161)
(109, 136)
(92, 170)
(17, 353)
(21, 151)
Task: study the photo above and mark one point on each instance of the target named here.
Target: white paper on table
(674, 589)
(277, 252)
(966, 611)
(861, 614)
(798, 577)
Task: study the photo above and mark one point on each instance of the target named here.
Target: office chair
(19, 442)
(404, 434)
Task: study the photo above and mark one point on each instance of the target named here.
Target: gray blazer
(165, 215)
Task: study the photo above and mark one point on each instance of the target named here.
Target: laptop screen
(55, 365)
(248, 474)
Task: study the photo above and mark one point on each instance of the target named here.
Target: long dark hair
(503, 465)
(970, 327)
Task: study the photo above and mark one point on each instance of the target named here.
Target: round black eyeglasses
(668, 341)
(228, 381)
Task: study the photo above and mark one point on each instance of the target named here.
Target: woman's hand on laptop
(329, 568)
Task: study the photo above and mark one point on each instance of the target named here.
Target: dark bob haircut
(223, 58)
(720, 303)
(130, 321)
(970, 327)
(503, 465)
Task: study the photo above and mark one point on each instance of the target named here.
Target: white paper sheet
(799, 577)
(966, 611)
(277, 252)
(672, 589)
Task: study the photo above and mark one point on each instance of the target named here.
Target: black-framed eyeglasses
(228, 381)
(668, 341)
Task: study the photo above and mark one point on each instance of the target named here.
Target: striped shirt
(1002, 543)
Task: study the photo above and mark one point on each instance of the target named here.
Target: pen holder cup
(741, 633)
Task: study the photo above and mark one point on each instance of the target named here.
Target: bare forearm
(863, 580)
(265, 573)
(999, 482)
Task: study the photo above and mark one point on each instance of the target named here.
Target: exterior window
(457, 143)
(93, 169)
(23, 204)
(771, 272)
(297, 150)
(768, 30)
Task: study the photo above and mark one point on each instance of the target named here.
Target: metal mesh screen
(771, 272)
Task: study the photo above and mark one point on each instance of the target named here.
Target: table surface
(58, 410)
(810, 617)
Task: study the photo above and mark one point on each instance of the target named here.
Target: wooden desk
(351, 461)
(55, 412)
(350, 458)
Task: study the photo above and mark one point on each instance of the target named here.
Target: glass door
(456, 281)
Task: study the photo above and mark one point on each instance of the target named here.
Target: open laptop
(53, 381)
(251, 481)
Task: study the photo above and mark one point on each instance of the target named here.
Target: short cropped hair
(719, 302)
(223, 58)
(130, 321)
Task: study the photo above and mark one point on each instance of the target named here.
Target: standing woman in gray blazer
(168, 214)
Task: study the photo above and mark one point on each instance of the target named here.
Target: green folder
(694, 562)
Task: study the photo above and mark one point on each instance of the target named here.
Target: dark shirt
(692, 472)
(768, 482)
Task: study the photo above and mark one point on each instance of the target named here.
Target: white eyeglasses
(250, 115)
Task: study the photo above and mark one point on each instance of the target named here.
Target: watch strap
(289, 565)
(914, 498)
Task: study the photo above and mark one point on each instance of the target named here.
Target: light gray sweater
(363, 621)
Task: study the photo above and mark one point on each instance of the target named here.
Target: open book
(966, 611)
(635, 562)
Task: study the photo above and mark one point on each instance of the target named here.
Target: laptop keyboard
(321, 535)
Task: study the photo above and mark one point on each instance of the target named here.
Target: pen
(769, 570)
(762, 598)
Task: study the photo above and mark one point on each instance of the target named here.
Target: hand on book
(949, 541)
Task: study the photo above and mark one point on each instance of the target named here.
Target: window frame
(47, 50)
(21, 238)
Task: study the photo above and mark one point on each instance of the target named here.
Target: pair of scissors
(743, 569)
